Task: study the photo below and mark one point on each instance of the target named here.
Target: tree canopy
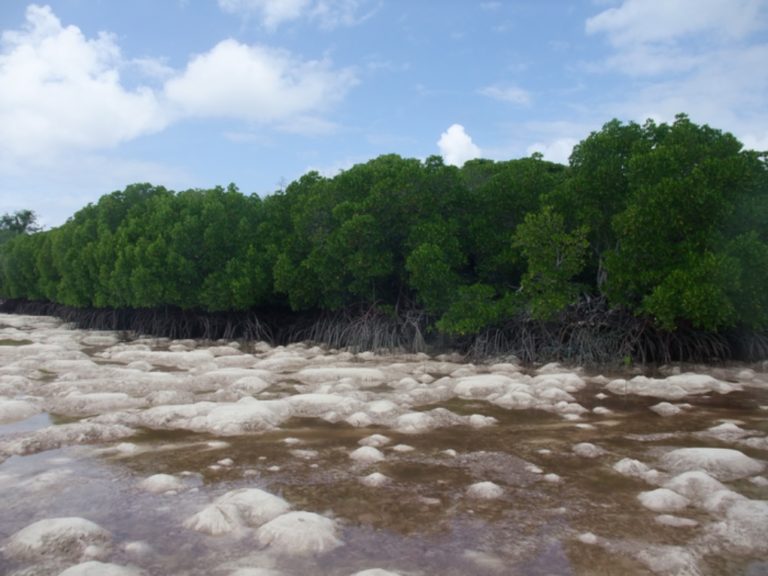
(20, 222)
(666, 221)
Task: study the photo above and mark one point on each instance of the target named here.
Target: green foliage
(18, 267)
(476, 307)
(500, 202)
(20, 222)
(431, 276)
(748, 295)
(18, 253)
(675, 258)
(554, 257)
(697, 291)
(669, 222)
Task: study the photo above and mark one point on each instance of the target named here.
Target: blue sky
(97, 94)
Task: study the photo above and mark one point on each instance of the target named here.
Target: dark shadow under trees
(589, 333)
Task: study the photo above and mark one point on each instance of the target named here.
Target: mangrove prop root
(589, 333)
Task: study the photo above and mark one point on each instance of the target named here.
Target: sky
(99, 94)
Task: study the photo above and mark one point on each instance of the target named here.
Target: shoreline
(590, 335)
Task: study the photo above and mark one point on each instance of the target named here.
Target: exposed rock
(696, 485)
(54, 437)
(15, 410)
(587, 450)
(69, 538)
(482, 386)
(485, 491)
(666, 409)
(721, 463)
(663, 500)
(367, 455)
(744, 527)
(247, 507)
(375, 440)
(375, 480)
(299, 533)
(636, 469)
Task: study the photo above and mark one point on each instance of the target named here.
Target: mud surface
(422, 465)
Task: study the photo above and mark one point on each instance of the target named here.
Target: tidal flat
(123, 457)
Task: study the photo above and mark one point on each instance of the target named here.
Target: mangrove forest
(651, 245)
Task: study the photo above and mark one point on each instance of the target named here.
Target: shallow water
(85, 418)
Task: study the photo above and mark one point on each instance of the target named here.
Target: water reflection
(36, 422)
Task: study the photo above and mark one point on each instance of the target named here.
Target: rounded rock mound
(485, 491)
(58, 537)
(246, 507)
(721, 463)
(299, 533)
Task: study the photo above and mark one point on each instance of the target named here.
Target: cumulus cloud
(456, 146)
(726, 92)
(702, 57)
(272, 13)
(649, 21)
(63, 90)
(512, 94)
(653, 37)
(256, 83)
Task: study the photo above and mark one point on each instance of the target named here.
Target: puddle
(408, 508)
(36, 422)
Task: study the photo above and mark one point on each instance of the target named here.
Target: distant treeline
(663, 225)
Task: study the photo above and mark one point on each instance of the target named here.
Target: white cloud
(729, 82)
(648, 21)
(727, 92)
(650, 60)
(256, 83)
(334, 13)
(335, 168)
(511, 94)
(152, 67)
(456, 146)
(701, 57)
(558, 150)
(57, 187)
(62, 90)
(754, 141)
(652, 37)
(272, 13)
(65, 110)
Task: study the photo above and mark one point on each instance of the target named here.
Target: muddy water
(559, 510)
